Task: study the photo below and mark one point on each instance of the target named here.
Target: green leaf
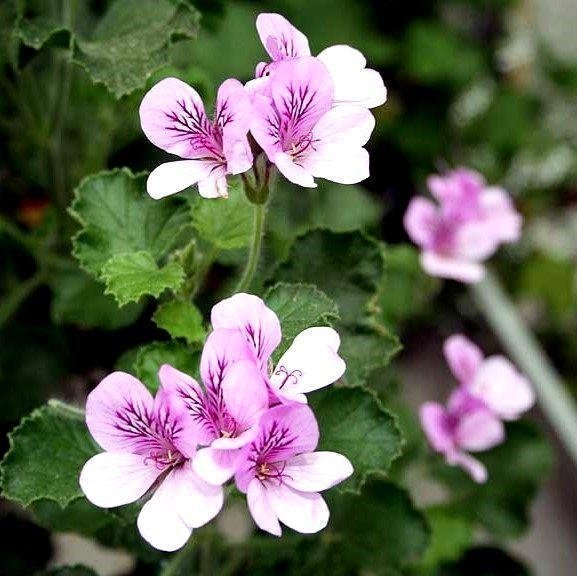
(380, 529)
(47, 452)
(225, 222)
(118, 217)
(80, 300)
(353, 422)
(130, 276)
(152, 356)
(77, 570)
(299, 306)
(37, 31)
(181, 320)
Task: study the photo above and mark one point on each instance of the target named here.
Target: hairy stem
(556, 403)
(255, 248)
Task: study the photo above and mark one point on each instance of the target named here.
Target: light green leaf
(225, 222)
(353, 422)
(47, 452)
(299, 306)
(181, 320)
(130, 276)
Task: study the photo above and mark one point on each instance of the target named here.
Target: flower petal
(261, 510)
(345, 126)
(471, 465)
(173, 177)
(343, 165)
(113, 479)
(499, 209)
(421, 221)
(451, 267)
(311, 362)
(479, 430)
(354, 83)
(316, 471)
(464, 357)
(215, 466)
(292, 171)
(434, 421)
(305, 512)
(215, 186)
(280, 38)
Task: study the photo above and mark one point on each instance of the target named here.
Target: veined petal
(280, 38)
(421, 221)
(258, 323)
(452, 267)
(311, 362)
(292, 171)
(479, 430)
(305, 512)
(316, 471)
(464, 357)
(215, 466)
(113, 479)
(172, 117)
(354, 83)
(173, 177)
(120, 415)
(260, 509)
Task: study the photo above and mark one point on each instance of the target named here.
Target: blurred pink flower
(173, 118)
(466, 227)
(148, 442)
(282, 475)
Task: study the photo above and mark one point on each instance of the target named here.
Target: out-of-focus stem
(554, 399)
(255, 248)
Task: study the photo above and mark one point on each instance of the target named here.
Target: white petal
(293, 172)
(305, 512)
(215, 466)
(260, 508)
(214, 187)
(173, 177)
(341, 164)
(452, 267)
(317, 471)
(346, 126)
(113, 479)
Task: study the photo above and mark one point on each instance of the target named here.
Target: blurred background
(490, 84)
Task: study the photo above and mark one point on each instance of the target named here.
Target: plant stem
(556, 402)
(11, 302)
(255, 248)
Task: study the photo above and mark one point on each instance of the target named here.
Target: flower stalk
(255, 249)
(557, 404)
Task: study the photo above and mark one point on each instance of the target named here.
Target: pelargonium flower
(465, 425)
(310, 363)
(302, 133)
(282, 475)
(353, 82)
(173, 118)
(493, 380)
(465, 228)
(148, 442)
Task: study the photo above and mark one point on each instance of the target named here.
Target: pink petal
(311, 362)
(173, 177)
(475, 240)
(451, 267)
(316, 471)
(305, 512)
(354, 83)
(345, 126)
(471, 465)
(119, 415)
(215, 466)
(249, 314)
(421, 221)
(479, 430)
(280, 38)
(113, 479)
(464, 357)
(172, 117)
(292, 171)
(499, 209)
(434, 421)
(261, 510)
(502, 388)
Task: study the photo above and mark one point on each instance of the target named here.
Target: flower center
(266, 471)
(166, 459)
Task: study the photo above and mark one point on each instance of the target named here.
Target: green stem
(181, 564)
(556, 402)
(12, 301)
(255, 248)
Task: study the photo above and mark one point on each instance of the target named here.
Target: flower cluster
(467, 226)
(246, 421)
(490, 391)
(308, 115)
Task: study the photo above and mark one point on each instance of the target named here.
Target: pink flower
(148, 442)
(282, 475)
(353, 82)
(494, 380)
(310, 363)
(465, 229)
(302, 133)
(173, 118)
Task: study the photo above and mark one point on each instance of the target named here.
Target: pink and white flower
(353, 82)
(149, 443)
(310, 363)
(302, 133)
(465, 425)
(493, 380)
(282, 475)
(173, 118)
(465, 228)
